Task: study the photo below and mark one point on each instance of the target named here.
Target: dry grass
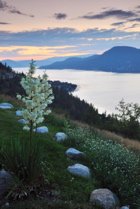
(6, 98)
(129, 143)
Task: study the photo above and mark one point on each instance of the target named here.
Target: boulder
(6, 106)
(22, 121)
(74, 153)
(104, 198)
(6, 182)
(42, 130)
(60, 137)
(125, 207)
(80, 170)
(19, 113)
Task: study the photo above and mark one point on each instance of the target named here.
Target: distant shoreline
(100, 71)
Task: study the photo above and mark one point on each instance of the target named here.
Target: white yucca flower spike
(38, 96)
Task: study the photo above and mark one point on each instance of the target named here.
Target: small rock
(18, 113)
(22, 121)
(6, 106)
(6, 182)
(74, 153)
(125, 207)
(60, 136)
(104, 199)
(7, 204)
(42, 130)
(80, 170)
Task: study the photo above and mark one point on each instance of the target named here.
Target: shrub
(115, 166)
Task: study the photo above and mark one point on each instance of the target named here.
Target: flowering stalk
(38, 96)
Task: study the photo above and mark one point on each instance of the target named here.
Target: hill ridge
(121, 59)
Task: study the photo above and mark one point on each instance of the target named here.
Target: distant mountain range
(25, 63)
(121, 59)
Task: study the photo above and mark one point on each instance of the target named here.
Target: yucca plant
(15, 157)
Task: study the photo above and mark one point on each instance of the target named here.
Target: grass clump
(15, 156)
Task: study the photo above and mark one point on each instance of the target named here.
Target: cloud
(135, 19)
(60, 36)
(133, 26)
(118, 24)
(11, 9)
(117, 13)
(51, 42)
(15, 11)
(60, 16)
(25, 52)
(3, 5)
(4, 23)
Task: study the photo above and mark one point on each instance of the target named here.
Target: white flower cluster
(38, 96)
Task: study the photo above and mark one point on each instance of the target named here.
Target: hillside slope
(103, 157)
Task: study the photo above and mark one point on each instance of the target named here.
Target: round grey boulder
(22, 121)
(6, 182)
(79, 170)
(42, 129)
(19, 113)
(74, 153)
(104, 199)
(6, 106)
(60, 137)
(125, 207)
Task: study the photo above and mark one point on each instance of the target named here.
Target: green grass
(72, 190)
(113, 165)
(36, 204)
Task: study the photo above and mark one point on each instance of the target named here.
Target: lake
(104, 90)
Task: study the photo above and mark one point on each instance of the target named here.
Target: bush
(115, 166)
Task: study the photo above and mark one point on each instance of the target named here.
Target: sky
(32, 29)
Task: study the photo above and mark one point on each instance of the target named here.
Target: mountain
(121, 59)
(70, 63)
(25, 63)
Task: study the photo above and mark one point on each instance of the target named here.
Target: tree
(128, 111)
(129, 117)
(38, 95)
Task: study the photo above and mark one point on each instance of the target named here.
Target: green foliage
(129, 116)
(76, 136)
(137, 204)
(115, 166)
(15, 156)
(128, 111)
(49, 160)
(45, 204)
(56, 121)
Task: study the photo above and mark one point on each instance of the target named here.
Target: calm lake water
(103, 90)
